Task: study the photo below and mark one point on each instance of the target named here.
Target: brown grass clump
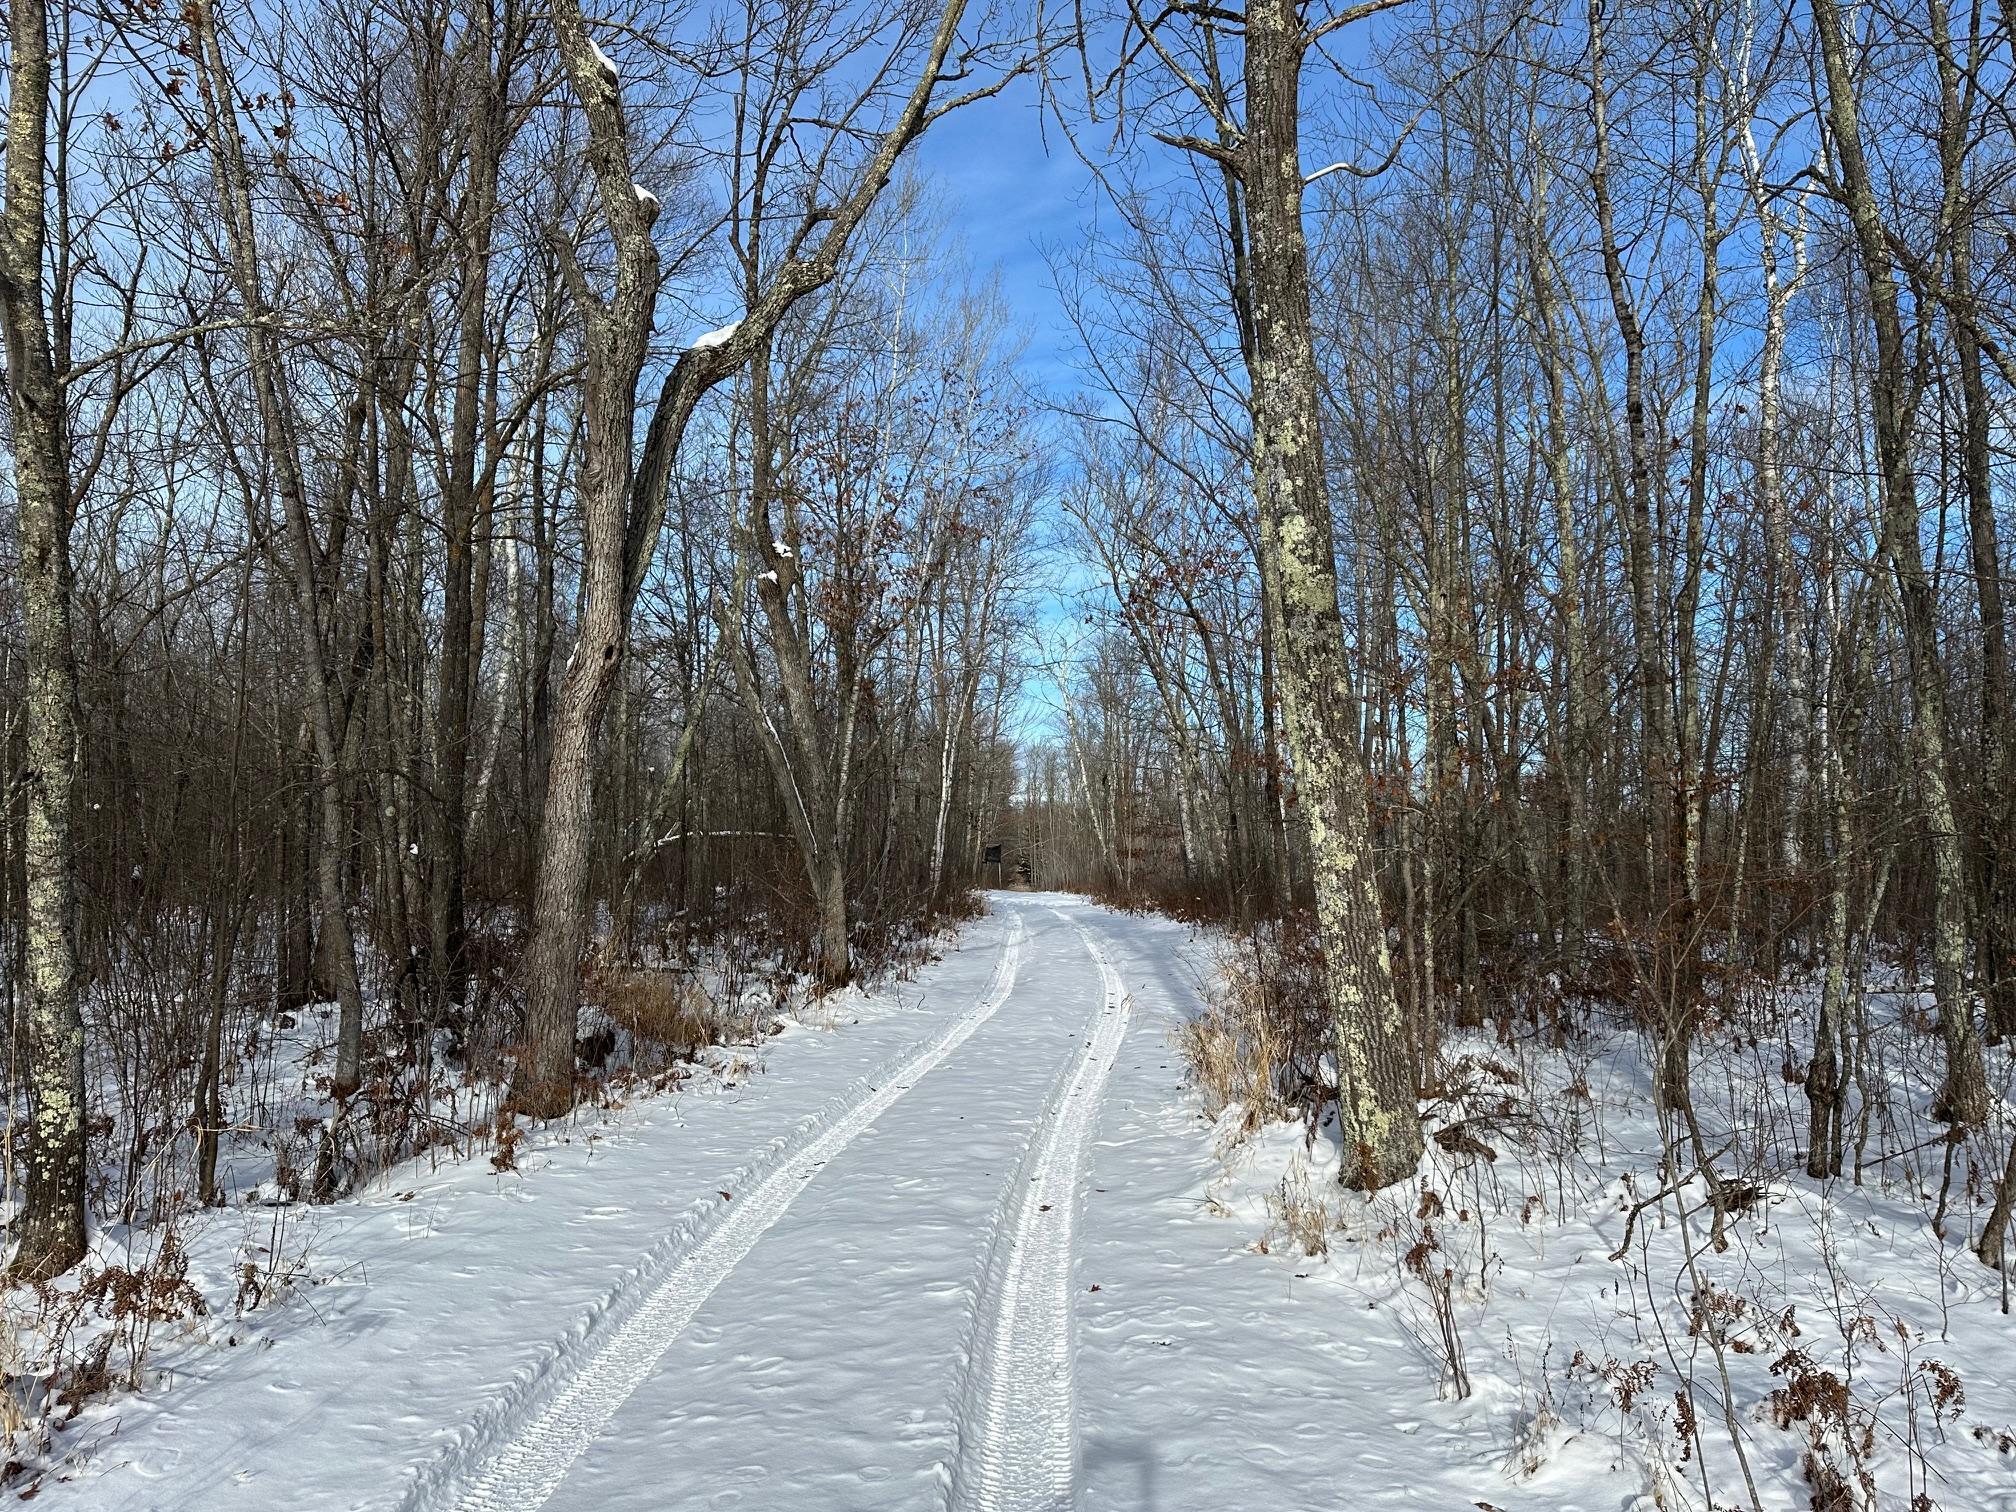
(1259, 1042)
(662, 1011)
(1300, 1215)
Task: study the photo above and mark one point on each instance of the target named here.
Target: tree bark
(49, 1237)
(1379, 1125)
(1963, 1098)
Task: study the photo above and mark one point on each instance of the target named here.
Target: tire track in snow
(1018, 1443)
(518, 1453)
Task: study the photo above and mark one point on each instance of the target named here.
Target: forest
(541, 554)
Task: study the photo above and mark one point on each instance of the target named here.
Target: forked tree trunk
(623, 508)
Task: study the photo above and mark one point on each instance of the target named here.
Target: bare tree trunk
(49, 1236)
(335, 947)
(1380, 1129)
(812, 768)
(623, 511)
(509, 656)
(616, 332)
(460, 501)
(232, 907)
(1785, 661)
(1827, 1075)
(1958, 84)
(622, 918)
(1665, 785)
(1573, 739)
(1108, 860)
(295, 922)
(1963, 1099)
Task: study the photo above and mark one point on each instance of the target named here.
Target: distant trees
(882, 509)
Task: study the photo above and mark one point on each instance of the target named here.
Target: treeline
(496, 490)
(1662, 361)
(405, 585)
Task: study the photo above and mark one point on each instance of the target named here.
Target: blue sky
(1010, 197)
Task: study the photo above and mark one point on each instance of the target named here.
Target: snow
(978, 1243)
(646, 198)
(781, 550)
(768, 577)
(602, 61)
(713, 339)
(1018, 1445)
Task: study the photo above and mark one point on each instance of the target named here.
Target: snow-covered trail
(949, 1258)
(1018, 1446)
(844, 1371)
(521, 1451)
(604, 1326)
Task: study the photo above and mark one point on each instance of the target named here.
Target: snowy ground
(977, 1247)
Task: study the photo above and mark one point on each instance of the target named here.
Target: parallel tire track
(518, 1453)
(1017, 1429)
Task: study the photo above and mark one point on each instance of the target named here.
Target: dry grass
(1299, 1215)
(666, 1014)
(84, 1336)
(1214, 1051)
(1256, 1044)
(22, 1425)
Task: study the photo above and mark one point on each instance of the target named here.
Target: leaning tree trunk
(1376, 1077)
(544, 1086)
(49, 1236)
(811, 773)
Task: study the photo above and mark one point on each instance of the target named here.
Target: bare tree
(1260, 157)
(50, 1237)
(1894, 398)
(623, 505)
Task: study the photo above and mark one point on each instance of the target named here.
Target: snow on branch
(715, 339)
